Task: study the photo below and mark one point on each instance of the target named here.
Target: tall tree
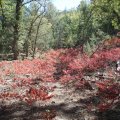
(2, 15)
(37, 12)
(19, 4)
(85, 23)
(107, 15)
(16, 28)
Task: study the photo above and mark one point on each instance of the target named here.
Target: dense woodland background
(29, 26)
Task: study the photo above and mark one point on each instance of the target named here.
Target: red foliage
(69, 64)
(36, 94)
(109, 92)
(111, 43)
(102, 107)
(76, 66)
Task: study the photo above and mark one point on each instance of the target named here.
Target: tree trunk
(16, 29)
(38, 27)
(35, 41)
(30, 31)
(3, 16)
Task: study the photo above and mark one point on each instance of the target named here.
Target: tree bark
(16, 29)
(35, 41)
(3, 16)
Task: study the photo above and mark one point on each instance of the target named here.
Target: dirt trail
(64, 105)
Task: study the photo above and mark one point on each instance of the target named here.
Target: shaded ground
(63, 106)
(67, 104)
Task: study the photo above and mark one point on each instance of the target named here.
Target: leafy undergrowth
(22, 80)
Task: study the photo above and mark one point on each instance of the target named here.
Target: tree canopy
(27, 25)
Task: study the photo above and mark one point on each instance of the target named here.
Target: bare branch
(28, 2)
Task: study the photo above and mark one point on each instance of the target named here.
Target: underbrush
(68, 66)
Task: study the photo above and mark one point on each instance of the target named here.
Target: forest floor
(68, 103)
